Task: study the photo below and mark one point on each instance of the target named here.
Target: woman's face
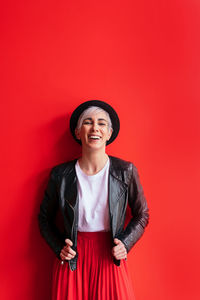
(94, 131)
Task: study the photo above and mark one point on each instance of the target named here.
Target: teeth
(94, 137)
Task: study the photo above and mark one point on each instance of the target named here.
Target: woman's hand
(67, 252)
(119, 251)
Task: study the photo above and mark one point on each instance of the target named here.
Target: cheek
(107, 134)
(105, 131)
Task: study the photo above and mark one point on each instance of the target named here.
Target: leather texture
(58, 216)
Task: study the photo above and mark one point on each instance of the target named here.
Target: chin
(95, 147)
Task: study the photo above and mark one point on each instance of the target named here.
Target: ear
(77, 134)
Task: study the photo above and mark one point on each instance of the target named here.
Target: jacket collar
(114, 170)
(116, 186)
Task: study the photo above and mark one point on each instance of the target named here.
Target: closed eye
(87, 122)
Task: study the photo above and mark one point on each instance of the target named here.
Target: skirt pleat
(96, 276)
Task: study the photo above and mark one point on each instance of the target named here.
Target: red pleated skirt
(96, 276)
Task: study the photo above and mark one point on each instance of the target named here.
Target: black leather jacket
(58, 217)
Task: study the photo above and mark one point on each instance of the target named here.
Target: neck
(92, 162)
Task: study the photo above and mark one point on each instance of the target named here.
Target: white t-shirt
(93, 200)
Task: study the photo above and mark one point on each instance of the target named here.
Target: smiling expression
(94, 132)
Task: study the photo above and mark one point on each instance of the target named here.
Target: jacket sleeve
(139, 210)
(46, 217)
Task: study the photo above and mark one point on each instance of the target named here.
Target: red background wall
(143, 58)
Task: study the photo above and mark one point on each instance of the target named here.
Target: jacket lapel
(116, 187)
(69, 190)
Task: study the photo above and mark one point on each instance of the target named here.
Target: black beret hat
(108, 108)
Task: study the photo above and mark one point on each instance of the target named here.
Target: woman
(83, 212)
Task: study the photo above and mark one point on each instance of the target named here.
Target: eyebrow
(100, 119)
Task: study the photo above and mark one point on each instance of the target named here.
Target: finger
(119, 247)
(118, 250)
(117, 241)
(63, 257)
(70, 250)
(69, 242)
(121, 256)
(121, 253)
(66, 252)
(67, 257)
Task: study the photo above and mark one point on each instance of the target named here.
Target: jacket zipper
(109, 205)
(73, 222)
(72, 232)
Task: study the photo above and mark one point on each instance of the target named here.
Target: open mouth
(94, 137)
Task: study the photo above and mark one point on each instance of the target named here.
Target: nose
(95, 127)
